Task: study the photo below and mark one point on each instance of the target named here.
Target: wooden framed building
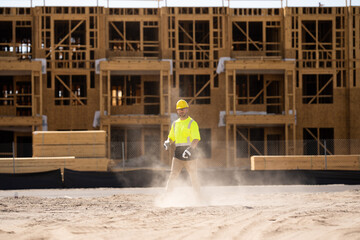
(135, 95)
(258, 81)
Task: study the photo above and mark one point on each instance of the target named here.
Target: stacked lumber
(89, 164)
(36, 164)
(306, 162)
(88, 148)
(82, 144)
(43, 164)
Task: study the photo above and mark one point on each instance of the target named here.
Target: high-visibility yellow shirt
(183, 132)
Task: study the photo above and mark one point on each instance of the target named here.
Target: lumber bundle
(81, 144)
(306, 162)
(89, 164)
(88, 148)
(42, 164)
(36, 164)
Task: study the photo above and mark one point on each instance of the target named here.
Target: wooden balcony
(135, 120)
(15, 121)
(260, 119)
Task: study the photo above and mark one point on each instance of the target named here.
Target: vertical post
(123, 154)
(33, 107)
(13, 152)
(169, 90)
(40, 93)
(108, 93)
(325, 154)
(162, 101)
(286, 139)
(235, 145)
(227, 98)
(234, 92)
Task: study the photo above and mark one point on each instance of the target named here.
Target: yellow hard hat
(181, 104)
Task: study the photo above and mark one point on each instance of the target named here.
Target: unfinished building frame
(289, 76)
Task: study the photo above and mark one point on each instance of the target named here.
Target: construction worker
(185, 134)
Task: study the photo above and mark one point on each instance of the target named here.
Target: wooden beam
(135, 65)
(121, 35)
(318, 140)
(69, 137)
(307, 162)
(269, 119)
(261, 91)
(317, 42)
(260, 64)
(198, 93)
(138, 119)
(247, 36)
(42, 164)
(192, 40)
(20, 121)
(71, 93)
(62, 40)
(322, 89)
(234, 91)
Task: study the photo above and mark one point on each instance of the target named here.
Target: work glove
(187, 153)
(166, 144)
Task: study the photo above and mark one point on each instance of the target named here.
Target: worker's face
(183, 112)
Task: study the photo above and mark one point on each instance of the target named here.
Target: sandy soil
(245, 212)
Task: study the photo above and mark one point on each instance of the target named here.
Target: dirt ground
(242, 212)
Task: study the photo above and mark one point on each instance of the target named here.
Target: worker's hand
(187, 153)
(166, 144)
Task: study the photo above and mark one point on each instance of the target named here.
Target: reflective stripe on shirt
(184, 131)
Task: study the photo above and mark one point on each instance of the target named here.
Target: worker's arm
(190, 150)
(194, 143)
(170, 139)
(167, 144)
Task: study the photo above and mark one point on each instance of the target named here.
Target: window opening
(70, 44)
(317, 44)
(24, 146)
(125, 38)
(151, 97)
(194, 44)
(250, 89)
(70, 90)
(125, 90)
(317, 89)
(23, 98)
(48, 79)
(7, 91)
(314, 141)
(249, 142)
(247, 36)
(6, 140)
(274, 145)
(195, 88)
